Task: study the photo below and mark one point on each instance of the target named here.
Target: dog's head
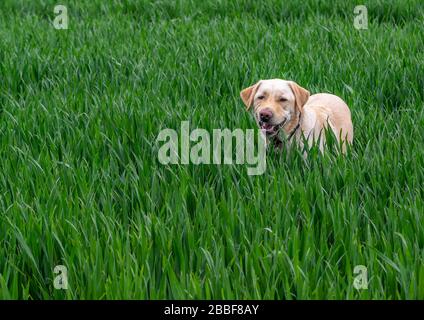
(276, 104)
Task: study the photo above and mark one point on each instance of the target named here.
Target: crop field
(80, 181)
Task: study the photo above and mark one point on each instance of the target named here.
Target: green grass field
(81, 184)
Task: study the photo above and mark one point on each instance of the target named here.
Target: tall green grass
(81, 185)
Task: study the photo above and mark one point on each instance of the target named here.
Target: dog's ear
(301, 95)
(248, 94)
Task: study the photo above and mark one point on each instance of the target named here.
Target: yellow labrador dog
(284, 105)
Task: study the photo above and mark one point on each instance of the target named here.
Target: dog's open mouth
(271, 129)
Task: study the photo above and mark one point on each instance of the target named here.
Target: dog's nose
(265, 115)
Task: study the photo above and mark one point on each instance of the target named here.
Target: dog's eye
(282, 99)
(261, 97)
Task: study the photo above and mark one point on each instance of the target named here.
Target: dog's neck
(293, 126)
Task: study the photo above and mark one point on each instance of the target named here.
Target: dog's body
(280, 104)
(325, 110)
